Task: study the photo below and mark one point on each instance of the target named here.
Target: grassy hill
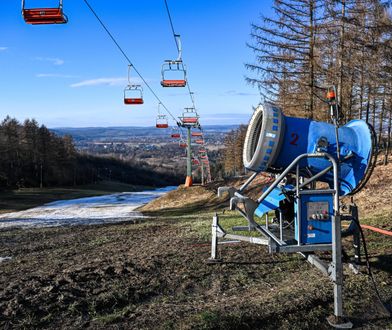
(154, 275)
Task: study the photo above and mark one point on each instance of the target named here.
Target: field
(154, 275)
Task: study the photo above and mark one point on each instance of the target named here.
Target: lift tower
(189, 120)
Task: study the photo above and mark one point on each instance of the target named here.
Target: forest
(33, 156)
(307, 46)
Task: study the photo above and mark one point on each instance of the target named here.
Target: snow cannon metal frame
(307, 217)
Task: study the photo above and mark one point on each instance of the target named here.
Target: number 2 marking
(295, 137)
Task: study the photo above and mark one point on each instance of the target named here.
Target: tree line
(306, 46)
(33, 156)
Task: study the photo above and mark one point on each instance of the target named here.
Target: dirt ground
(154, 275)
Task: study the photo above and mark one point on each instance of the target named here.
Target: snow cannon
(273, 141)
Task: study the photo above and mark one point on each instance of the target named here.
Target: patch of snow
(2, 259)
(90, 210)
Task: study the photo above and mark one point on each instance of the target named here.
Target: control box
(313, 217)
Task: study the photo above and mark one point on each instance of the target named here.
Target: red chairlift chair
(44, 15)
(170, 67)
(174, 69)
(175, 134)
(162, 121)
(196, 134)
(133, 93)
(199, 141)
(190, 117)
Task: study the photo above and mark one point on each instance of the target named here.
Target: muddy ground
(154, 275)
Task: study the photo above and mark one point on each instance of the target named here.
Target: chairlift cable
(127, 58)
(175, 35)
(172, 26)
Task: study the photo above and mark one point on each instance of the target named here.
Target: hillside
(154, 275)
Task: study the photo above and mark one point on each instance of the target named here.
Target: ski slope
(83, 211)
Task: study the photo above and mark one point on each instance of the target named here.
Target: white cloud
(3, 49)
(54, 75)
(53, 60)
(104, 82)
(236, 93)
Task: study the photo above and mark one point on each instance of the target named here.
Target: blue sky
(72, 75)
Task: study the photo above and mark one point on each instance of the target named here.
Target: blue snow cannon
(273, 141)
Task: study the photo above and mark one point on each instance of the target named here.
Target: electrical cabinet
(313, 217)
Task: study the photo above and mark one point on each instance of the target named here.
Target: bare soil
(154, 275)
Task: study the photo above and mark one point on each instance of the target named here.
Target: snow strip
(91, 210)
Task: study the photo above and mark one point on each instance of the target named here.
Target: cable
(378, 230)
(370, 273)
(127, 58)
(171, 25)
(175, 35)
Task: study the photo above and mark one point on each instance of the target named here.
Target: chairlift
(190, 117)
(133, 93)
(51, 15)
(199, 141)
(161, 119)
(196, 134)
(195, 161)
(175, 134)
(173, 71)
(183, 144)
(202, 150)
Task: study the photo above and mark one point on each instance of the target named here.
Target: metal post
(280, 225)
(337, 268)
(337, 320)
(214, 241)
(202, 173)
(189, 180)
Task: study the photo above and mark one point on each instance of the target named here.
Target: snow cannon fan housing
(273, 141)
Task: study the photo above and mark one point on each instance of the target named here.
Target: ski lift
(196, 134)
(190, 117)
(195, 161)
(202, 150)
(183, 144)
(44, 15)
(133, 94)
(175, 134)
(169, 68)
(200, 141)
(161, 119)
(173, 71)
(203, 157)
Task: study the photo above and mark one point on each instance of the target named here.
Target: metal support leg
(214, 241)
(337, 320)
